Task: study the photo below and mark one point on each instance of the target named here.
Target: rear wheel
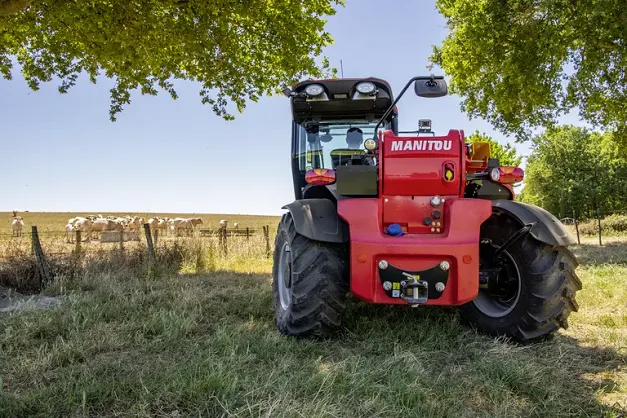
(528, 290)
(309, 283)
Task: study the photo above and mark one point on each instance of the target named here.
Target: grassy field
(51, 231)
(56, 221)
(199, 340)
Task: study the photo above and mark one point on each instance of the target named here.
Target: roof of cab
(342, 84)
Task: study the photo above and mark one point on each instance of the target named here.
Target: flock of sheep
(92, 225)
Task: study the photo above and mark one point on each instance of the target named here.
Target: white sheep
(16, 226)
(84, 225)
(153, 223)
(182, 224)
(69, 232)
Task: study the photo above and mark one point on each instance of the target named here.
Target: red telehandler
(410, 218)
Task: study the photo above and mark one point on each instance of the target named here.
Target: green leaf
(572, 169)
(236, 51)
(522, 64)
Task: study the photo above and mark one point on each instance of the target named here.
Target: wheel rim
(502, 303)
(283, 276)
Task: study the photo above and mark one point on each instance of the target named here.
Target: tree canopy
(521, 64)
(573, 169)
(506, 154)
(237, 51)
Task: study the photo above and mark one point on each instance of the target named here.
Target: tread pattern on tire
(549, 286)
(319, 284)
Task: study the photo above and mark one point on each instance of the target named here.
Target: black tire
(319, 283)
(546, 291)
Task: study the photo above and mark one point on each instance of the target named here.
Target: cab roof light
(314, 90)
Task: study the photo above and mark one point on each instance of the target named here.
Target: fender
(317, 219)
(548, 228)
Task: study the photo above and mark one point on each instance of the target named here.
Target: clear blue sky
(61, 152)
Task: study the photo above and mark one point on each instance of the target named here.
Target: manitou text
(422, 145)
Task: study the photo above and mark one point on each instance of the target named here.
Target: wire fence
(33, 258)
(600, 224)
(65, 243)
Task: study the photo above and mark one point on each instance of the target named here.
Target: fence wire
(58, 243)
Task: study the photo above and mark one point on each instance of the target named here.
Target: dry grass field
(55, 221)
(196, 337)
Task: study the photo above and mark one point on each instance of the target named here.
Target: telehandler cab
(414, 219)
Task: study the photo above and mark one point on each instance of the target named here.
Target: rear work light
(314, 90)
(370, 144)
(320, 176)
(366, 87)
(507, 174)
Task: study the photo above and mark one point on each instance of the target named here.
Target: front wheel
(528, 290)
(309, 283)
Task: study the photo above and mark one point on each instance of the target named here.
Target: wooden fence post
(223, 240)
(34, 238)
(247, 233)
(151, 248)
(599, 222)
(266, 235)
(122, 241)
(42, 265)
(156, 236)
(78, 242)
(576, 226)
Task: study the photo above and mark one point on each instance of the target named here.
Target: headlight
(366, 87)
(495, 174)
(314, 90)
(370, 144)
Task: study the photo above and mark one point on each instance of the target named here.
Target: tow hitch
(415, 287)
(414, 291)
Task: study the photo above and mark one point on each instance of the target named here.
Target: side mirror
(431, 86)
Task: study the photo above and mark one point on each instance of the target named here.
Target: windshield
(316, 141)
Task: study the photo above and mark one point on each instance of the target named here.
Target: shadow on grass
(613, 252)
(555, 378)
(144, 340)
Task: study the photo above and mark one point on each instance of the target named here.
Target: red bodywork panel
(408, 179)
(415, 166)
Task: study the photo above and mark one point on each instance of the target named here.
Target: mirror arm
(389, 110)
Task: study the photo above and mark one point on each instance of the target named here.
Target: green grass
(186, 343)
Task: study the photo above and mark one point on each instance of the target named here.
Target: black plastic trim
(547, 228)
(317, 219)
(395, 276)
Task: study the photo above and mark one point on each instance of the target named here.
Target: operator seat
(354, 139)
(341, 156)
